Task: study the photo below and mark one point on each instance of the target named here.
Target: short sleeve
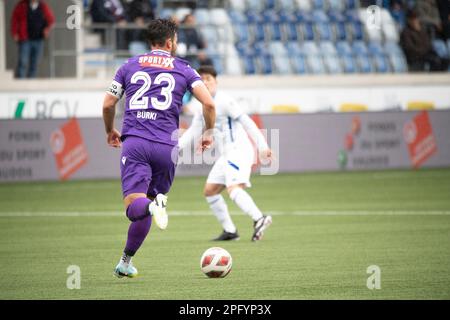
(117, 87)
(192, 77)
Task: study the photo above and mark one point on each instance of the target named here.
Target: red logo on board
(418, 135)
(68, 148)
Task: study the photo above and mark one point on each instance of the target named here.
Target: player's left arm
(112, 96)
(249, 125)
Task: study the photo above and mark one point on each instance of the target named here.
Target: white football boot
(158, 210)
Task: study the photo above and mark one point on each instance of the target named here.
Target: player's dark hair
(159, 30)
(207, 70)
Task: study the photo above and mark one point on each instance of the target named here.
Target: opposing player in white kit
(233, 168)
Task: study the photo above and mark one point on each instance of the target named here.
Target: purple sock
(138, 209)
(137, 232)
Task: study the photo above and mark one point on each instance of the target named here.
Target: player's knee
(230, 189)
(211, 190)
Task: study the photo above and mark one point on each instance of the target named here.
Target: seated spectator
(140, 13)
(189, 35)
(428, 14)
(417, 45)
(110, 11)
(398, 9)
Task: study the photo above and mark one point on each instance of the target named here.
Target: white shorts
(230, 171)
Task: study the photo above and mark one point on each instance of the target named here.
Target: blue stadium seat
(218, 64)
(241, 32)
(270, 4)
(303, 16)
(348, 64)
(351, 4)
(288, 5)
(166, 13)
(332, 64)
(258, 31)
(307, 29)
(320, 16)
(310, 48)
(336, 16)
(304, 5)
(202, 16)
(360, 48)
(441, 49)
(238, 5)
(340, 31)
(290, 31)
(356, 30)
(265, 64)
(315, 64)
(392, 48)
(282, 65)
(299, 64)
(328, 48)
(343, 48)
(294, 49)
(237, 16)
(364, 64)
(277, 48)
(323, 31)
(376, 48)
(233, 66)
(381, 63)
(255, 5)
(275, 32)
(254, 17)
(318, 4)
(336, 5)
(244, 49)
(351, 16)
(249, 64)
(261, 48)
(210, 34)
(287, 16)
(398, 62)
(270, 16)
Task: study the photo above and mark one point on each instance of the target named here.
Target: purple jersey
(154, 85)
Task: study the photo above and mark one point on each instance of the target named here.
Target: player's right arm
(202, 94)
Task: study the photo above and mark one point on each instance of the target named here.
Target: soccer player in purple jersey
(154, 85)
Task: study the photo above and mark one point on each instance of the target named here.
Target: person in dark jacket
(416, 44)
(31, 23)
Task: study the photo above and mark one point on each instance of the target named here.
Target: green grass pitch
(328, 229)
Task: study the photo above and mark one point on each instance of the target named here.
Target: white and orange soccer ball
(216, 262)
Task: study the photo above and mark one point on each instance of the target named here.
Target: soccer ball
(216, 262)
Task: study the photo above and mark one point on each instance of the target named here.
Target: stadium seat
(258, 31)
(310, 48)
(360, 48)
(364, 63)
(391, 47)
(336, 16)
(210, 34)
(218, 64)
(376, 48)
(294, 49)
(299, 64)
(254, 17)
(255, 5)
(332, 64)
(323, 31)
(328, 48)
(265, 64)
(180, 13)
(356, 30)
(249, 64)
(290, 31)
(351, 4)
(237, 16)
(137, 48)
(277, 48)
(336, 5)
(238, 5)
(282, 65)
(308, 33)
(320, 16)
(440, 48)
(381, 63)
(315, 64)
(270, 4)
(319, 4)
(340, 31)
(288, 5)
(398, 62)
(166, 13)
(348, 63)
(233, 66)
(244, 49)
(261, 48)
(343, 48)
(202, 16)
(390, 32)
(219, 16)
(241, 32)
(304, 5)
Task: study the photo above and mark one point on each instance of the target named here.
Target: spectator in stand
(31, 23)
(444, 11)
(140, 13)
(397, 8)
(418, 48)
(428, 14)
(192, 38)
(113, 12)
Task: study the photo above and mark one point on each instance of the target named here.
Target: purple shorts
(146, 166)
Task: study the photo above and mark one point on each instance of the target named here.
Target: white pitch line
(208, 213)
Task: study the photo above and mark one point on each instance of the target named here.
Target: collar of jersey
(159, 51)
